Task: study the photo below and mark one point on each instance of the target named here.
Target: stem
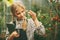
(55, 35)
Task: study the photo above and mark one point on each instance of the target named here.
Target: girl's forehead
(19, 8)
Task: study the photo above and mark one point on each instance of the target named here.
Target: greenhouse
(45, 11)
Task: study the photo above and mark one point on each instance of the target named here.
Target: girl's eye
(22, 11)
(16, 10)
(18, 13)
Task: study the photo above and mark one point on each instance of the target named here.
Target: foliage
(50, 17)
(2, 17)
(0, 0)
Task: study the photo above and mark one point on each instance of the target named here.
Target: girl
(24, 29)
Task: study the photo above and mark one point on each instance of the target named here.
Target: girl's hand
(15, 34)
(33, 15)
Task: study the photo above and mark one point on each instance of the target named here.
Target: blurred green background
(48, 12)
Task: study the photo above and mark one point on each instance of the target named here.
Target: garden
(47, 11)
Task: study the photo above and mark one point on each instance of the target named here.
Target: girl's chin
(20, 18)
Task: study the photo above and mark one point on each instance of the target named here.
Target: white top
(31, 28)
(19, 24)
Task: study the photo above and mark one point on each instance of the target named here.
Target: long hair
(14, 6)
(13, 9)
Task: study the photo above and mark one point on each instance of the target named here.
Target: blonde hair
(13, 8)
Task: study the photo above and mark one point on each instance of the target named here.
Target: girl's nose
(21, 14)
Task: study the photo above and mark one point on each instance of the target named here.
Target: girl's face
(19, 12)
